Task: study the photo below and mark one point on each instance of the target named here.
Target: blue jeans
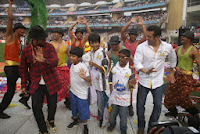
(141, 100)
(102, 99)
(123, 114)
(79, 106)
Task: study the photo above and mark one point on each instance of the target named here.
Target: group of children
(121, 81)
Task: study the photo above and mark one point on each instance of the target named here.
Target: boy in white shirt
(121, 80)
(98, 68)
(79, 81)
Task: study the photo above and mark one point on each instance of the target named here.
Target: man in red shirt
(78, 40)
(130, 42)
(41, 59)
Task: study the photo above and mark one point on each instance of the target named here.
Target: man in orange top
(12, 48)
(78, 40)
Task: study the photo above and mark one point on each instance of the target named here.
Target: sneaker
(130, 110)
(171, 114)
(100, 123)
(73, 124)
(85, 129)
(140, 131)
(77, 117)
(110, 129)
(123, 132)
(24, 103)
(43, 133)
(51, 125)
(4, 116)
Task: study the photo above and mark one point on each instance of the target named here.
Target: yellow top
(61, 54)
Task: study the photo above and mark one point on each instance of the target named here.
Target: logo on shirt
(126, 75)
(161, 53)
(120, 87)
(98, 56)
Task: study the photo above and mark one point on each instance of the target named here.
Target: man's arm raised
(141, 22)
(123, 32)
(9, 30)
(85, 39)
(71, 35)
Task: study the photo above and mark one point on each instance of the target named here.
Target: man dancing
(11, 56)
(41, 59)
(149, 62)
(179, 90)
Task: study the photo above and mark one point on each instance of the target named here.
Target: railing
(94, 25)
(193, 3)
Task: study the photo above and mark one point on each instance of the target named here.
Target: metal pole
(184, 13)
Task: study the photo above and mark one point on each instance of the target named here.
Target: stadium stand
(104, 7)
(148, 17)
(59, 2)
(98, 16)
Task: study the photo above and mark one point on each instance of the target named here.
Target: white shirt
(42, 82)
(96, 75)
(121, 92)
(79, 86)
(145, 57)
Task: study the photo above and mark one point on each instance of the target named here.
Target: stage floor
(22, 120)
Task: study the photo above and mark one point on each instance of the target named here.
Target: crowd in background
(93, 20)
(88, 7)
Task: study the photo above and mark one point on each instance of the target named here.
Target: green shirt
(184, 61)
(114, 58)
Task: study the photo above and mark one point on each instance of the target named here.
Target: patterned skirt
(64, 76)
(178, 93)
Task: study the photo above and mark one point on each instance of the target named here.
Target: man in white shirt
(149, 62)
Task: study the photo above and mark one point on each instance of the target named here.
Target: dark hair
(94, 37)
(78, 30)
(17, 26)
(77, 51)
(58, 30)
(37, 32)
(156, 29)
(125, 52)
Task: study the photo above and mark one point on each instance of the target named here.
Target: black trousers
(12, 74)
(37, 104)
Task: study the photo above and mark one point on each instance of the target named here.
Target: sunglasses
(123, 57)
(114, 44)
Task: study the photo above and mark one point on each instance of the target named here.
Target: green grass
(2, 45)
(2, 74)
